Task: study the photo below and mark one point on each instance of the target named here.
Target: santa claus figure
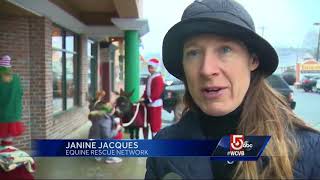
(152, 95)
(10, 103)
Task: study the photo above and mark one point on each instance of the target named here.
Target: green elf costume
(10, 103)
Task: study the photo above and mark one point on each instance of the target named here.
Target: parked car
(289, 77)
(318, 86)
(143, 79)
(309, 83)
(279, 84)
(172, 94)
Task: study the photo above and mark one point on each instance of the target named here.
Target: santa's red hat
(154, 63)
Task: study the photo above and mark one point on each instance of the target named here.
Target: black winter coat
(307, 165)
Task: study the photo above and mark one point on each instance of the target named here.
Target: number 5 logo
(236, 142)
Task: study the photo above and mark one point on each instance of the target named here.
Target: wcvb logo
(236, 142)
(238, 145)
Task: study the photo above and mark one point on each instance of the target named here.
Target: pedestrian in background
(152, 95)
(104, 124)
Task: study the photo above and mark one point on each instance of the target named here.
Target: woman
(104, 124)
(215, 51)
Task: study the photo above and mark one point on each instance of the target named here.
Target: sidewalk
(88, 168)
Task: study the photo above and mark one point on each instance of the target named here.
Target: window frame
(76, 68)
(93, 66)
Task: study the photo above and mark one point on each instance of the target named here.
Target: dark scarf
(215, 128)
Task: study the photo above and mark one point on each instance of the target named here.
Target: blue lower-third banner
(233, 147)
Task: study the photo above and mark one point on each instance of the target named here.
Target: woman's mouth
(213, 92)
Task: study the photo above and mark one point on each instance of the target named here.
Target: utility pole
(318, 24)
(262, 30)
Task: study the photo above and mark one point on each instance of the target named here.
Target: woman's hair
(265, 112)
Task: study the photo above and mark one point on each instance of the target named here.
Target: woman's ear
(254, 62)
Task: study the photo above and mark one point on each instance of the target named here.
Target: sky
(286, 22)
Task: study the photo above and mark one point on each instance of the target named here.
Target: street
(307, 107)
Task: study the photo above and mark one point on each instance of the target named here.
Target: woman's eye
(226, 50)
(192, 53)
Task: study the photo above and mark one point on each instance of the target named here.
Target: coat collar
(193, 167)
(190, 122)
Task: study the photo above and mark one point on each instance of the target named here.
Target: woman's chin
(216, 111)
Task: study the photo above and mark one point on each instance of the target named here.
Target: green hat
(106, 109)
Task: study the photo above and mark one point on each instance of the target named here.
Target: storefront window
(70, 85)
(121, 67)
(56, 38)
(57, 81)
(70, 42)
(64, 63)
(111, 50)
(92, 68)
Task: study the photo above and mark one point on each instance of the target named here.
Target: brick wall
(67, 122)
(83, 69)
(41, 76)
(14, 41)
(28, 41)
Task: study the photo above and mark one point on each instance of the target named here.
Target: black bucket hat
(221, 17)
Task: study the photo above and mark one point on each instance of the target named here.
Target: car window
(311, 77)
(176, 87)
(276, 82)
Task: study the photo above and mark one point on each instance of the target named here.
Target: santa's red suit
(153, 91)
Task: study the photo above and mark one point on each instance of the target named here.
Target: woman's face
(217, 72)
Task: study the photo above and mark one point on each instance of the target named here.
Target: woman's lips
(213, 92)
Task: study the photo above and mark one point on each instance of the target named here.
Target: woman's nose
(209, 65)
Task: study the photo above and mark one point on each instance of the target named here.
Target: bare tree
(310, 42)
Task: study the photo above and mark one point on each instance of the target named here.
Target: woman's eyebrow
(189, 44)
(230, 40)
(226, 40)
(221, 41)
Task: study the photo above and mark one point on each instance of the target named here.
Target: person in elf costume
(152, 95)
(10, 103)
